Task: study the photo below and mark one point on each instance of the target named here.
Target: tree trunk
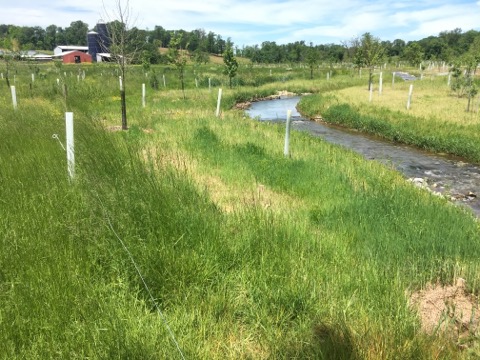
(124, 109)
(182, 82)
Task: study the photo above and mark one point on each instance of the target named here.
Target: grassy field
(247, 254)
(437, 119)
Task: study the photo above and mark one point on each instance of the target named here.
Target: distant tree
(150, 54)
(462, 78)
(398, 47)
(196, 40)
(311, 58)
(466, 40)
(334, 53)
(435, 48)
(211, 45)
(38, 37)
(76, 33)
(295, 51)
(200, 56)
(60, 36)
(413, 54)
(50, 37)
(270, 52)
(474, 50)
(160, 34)
(471, 63)
(368, 52)
(221, 44)
(453, 40)
(178, 58)
(231, 64)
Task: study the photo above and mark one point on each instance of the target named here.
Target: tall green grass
(324, 274)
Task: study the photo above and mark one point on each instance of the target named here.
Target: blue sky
(250, 22)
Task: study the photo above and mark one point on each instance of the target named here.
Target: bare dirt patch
(113, 128)
(447, 308)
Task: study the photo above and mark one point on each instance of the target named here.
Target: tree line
(446, 46)
(23, 38)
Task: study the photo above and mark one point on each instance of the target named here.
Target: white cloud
(251, 21)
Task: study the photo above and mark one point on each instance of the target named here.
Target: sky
(251, 22)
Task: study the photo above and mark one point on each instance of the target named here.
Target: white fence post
(143, 95)
(218, 102)
(409, 96)
(287, 133)
(380, 84)
(14, 96)
(70, 144)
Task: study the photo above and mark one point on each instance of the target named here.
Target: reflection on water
(442, 174)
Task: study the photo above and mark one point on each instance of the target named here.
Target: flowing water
(442, 174)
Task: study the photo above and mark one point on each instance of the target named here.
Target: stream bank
(443, 175)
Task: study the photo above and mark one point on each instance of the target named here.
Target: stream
(446, 175)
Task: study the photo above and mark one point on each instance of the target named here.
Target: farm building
(66, 48)
(37, 56)
(74, 57)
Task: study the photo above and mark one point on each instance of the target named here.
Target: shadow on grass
(328, 342)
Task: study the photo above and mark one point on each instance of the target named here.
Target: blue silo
(93, 45)
(103, 37)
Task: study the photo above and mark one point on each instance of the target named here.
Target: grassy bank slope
(436, 121)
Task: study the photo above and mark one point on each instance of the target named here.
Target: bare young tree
(179, 58)
(122, 48)
(9, 58)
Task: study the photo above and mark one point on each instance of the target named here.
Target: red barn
(75, 57)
